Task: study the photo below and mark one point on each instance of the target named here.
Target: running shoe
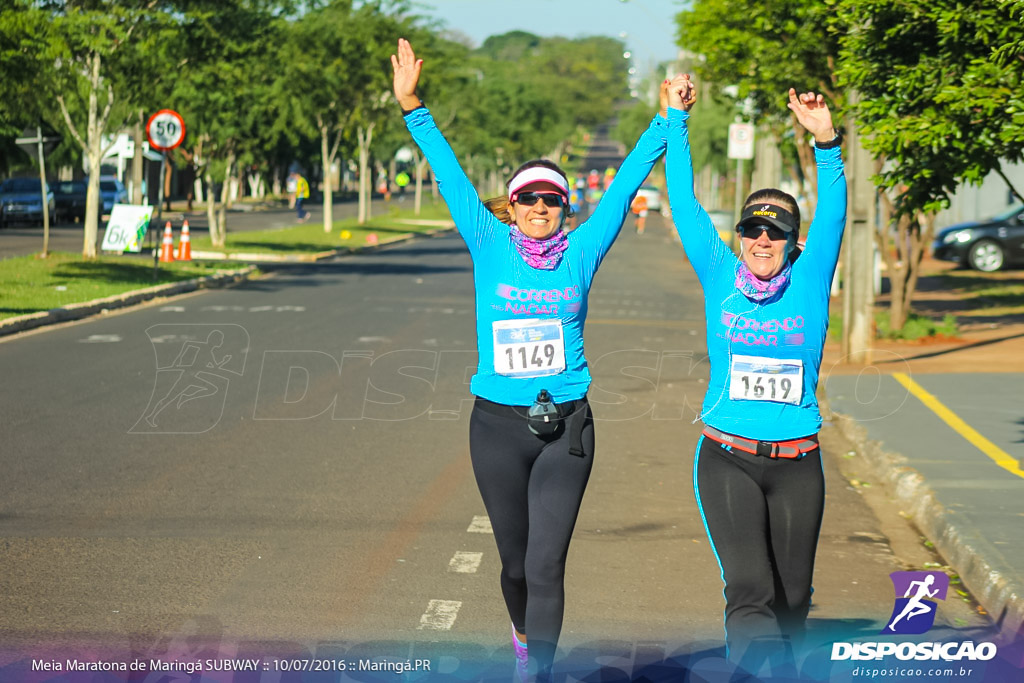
(522, 659)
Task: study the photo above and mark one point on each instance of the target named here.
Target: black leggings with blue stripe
(532, 490)
(762, 517)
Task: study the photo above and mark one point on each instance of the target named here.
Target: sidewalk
(942, 426)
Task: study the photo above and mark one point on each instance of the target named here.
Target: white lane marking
(366, 340)
(258, 309)
(431, 311)
(299, 309)
(101, 339)
(465, 563)
(171, 338)
(221, 309)
(440, 615)
(481, 525)
(172, 309)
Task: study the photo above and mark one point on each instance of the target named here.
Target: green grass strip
(29, 284)
(310, 238)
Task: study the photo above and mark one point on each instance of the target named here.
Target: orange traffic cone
(184, 244)
(167, 248)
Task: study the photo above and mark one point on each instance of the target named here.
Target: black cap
(769, 214)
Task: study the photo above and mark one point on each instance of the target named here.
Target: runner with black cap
(757, 474)
(531, 433)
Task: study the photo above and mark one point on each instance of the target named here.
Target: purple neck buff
(540, 254)
(757, 289)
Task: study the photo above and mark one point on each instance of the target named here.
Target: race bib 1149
(528, 348)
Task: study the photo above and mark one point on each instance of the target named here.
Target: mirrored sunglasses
(550, 199)
(752, 232)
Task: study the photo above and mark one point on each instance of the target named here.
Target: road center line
(465, 563)
(440, 615)
(998, 455)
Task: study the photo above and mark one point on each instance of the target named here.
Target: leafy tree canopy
(940, 87)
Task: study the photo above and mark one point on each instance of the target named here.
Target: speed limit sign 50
(165, 129)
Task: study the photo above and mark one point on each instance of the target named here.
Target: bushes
(916, 327)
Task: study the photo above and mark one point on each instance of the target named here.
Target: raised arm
(826, 232)
(606, 222)
(703, 246)
(474, 222)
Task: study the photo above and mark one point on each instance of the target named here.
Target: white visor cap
(538, 174)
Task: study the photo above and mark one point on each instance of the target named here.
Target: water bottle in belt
(543, 418)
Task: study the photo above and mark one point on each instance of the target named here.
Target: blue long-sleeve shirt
(761, 352)
(508, 291)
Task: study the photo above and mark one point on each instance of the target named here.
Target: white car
(652, 195)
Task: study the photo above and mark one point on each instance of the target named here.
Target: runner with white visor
(531, 432)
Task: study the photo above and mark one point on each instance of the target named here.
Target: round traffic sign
(741, 133)
(165, 129)
(741, 141)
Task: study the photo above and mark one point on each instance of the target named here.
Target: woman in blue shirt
(531, 430)
(757, 475)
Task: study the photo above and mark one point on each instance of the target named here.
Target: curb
(87, 309)
(447, 226)
(975, 559)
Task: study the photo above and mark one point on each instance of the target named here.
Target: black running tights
(532, 490)
(762, 517)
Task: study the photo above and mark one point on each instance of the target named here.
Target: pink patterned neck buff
(540, 254)
(757, 289)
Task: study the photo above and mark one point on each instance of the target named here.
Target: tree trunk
(364, 136)
(137, 161)
(255, 181)
(420, 165)
(168, 167)
(225, 193)
(211, 214)
(920, 237)
(902, 259)
(94, 153)
(327, 160)
(392, 172)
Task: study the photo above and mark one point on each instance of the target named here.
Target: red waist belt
(790, 450)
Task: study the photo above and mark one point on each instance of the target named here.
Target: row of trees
(263, 83)
(934, 86)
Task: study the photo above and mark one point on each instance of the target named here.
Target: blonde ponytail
(501, 208)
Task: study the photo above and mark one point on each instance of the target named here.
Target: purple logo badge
(916, 593)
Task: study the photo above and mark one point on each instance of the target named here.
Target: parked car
(69, 197)
(986, 245)
(21, 199)
(112, 192)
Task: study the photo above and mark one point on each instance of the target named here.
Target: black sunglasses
(752, 232)
(530, 198)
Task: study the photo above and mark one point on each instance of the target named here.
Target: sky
(649, 25)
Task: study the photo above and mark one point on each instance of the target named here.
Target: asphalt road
(302, 483)
(281, 470)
